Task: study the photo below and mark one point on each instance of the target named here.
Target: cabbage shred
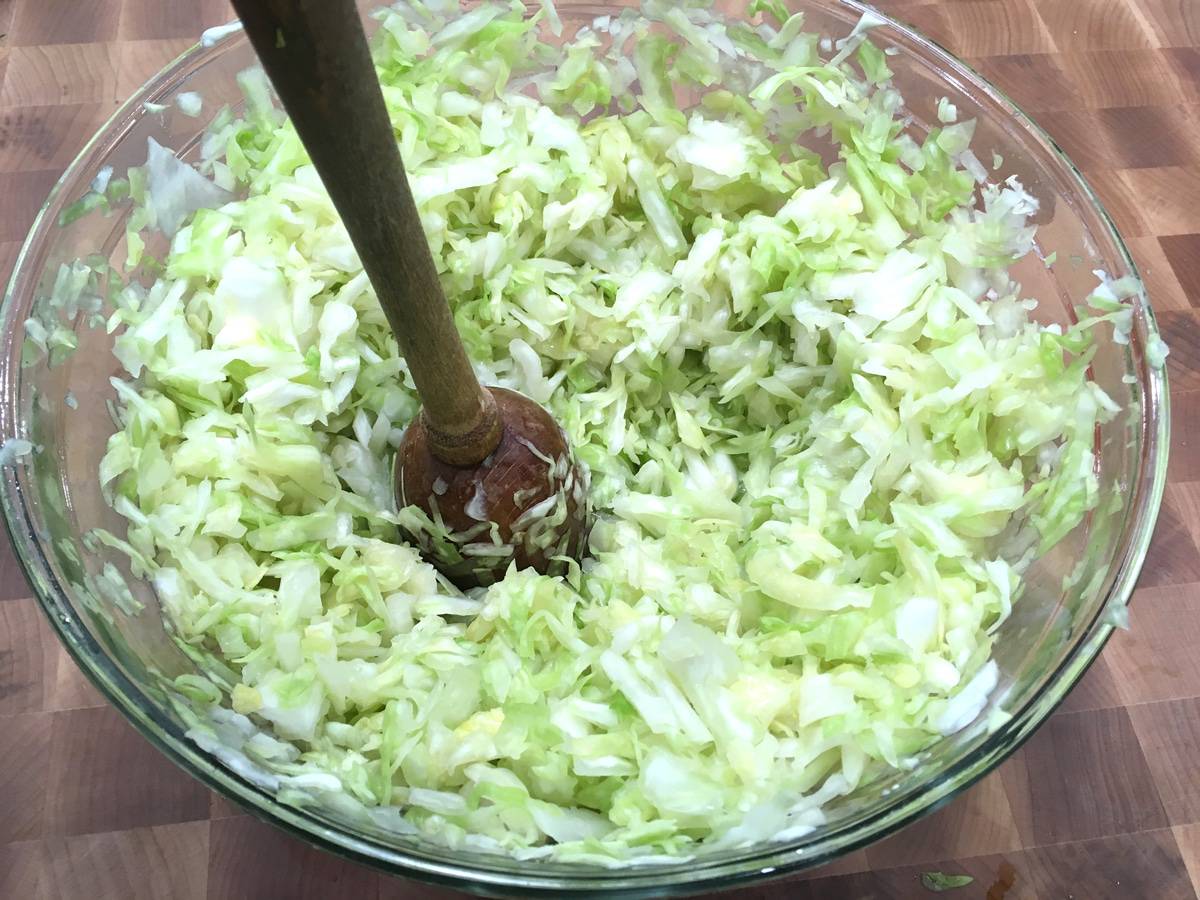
(824, 435)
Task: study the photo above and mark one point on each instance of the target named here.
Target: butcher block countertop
(1104, 801)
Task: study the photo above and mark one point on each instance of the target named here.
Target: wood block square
(1188, 839)
(977, 822)
(1155, 659)
(1184, 463)
(1185, 495)
(1128, 137)
(1158, 276)
(12, 579)
(60, 73)
(884, 884)
(1052, 803)
(1183, 253)
(1169, 733)
(1146, 865)
(1105, 78)
(1078, 133)
(47, 137)
(1144, 202)
(26, 668)
(1169, 196)
(980, 27)
(138, 864)
(251, 859)
(1181, 330)
(70, 688)
(1141, 866)
(1097, 689)
(6, 14)
(844, 865)
(221, 808)
(36, 672)
(1122, 205)
(1014, 775)
(63, 22)
(1096, 24)
(1173, 557)
(1036, 82)
(139, 61)
(23, 193)
(1185, 60)
(104, 776)
(1176, 23)
(152, 19)
(897, 7)
(24, 749)
(21, 869)
(392, 887)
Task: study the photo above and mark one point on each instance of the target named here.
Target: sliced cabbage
(825, 436)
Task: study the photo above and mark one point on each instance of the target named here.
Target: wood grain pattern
(145, 863)
(1188, 839)
(1103, 802)
(1169, 733)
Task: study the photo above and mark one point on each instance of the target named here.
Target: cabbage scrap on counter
(824, 436)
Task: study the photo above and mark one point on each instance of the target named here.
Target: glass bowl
(1072, 598)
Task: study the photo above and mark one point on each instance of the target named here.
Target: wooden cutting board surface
(1104, 801)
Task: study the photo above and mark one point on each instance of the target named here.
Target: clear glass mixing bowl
(51, 499)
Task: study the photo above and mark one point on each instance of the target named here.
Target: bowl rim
(767, 860)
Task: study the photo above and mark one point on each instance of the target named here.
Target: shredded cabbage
(824, 435)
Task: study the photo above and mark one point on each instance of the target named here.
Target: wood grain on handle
(316, 55)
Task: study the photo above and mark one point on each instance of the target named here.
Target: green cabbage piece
(824, 434)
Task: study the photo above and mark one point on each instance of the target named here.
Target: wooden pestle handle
(316, 55)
